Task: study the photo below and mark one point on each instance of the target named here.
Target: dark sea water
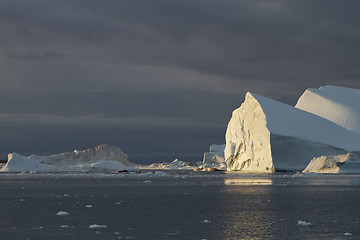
(179, 205)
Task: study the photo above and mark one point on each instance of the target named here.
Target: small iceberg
(62, 213)
(97, 226)
(304, 223)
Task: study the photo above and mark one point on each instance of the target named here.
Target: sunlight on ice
(254, 182)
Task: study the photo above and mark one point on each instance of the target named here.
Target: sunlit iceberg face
(265, 135)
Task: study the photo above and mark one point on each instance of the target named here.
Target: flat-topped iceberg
(102, 157)
(265, 135)
(337, 104)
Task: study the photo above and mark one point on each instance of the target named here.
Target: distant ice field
(179, 205)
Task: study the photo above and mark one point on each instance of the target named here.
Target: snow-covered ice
(265, 135)
(337, 104)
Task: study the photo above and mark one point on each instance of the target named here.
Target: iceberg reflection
(248, 207)
(245, 181)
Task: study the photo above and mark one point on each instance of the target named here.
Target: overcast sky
(160, 78)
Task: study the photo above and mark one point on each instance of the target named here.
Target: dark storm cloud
(66, 63)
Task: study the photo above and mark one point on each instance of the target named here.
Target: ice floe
(97, 226)
(62, 213)
(304, 223)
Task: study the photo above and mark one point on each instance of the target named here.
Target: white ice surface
(345, 163)
(337, 104)
(97, 226)
(19, 163)
(102, 157)
(174, 165)
(264, 135)
(285, 120)
(62, 213)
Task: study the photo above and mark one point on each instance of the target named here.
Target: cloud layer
(160, 78)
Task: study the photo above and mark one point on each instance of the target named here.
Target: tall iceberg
(265, 135)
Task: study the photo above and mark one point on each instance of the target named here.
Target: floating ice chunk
(206, 221)
(62, 213)
(347, 234)
(344, 163)
(88, 206)
(304, 223)
(97, 226)
(64, 226)
(147, 181)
